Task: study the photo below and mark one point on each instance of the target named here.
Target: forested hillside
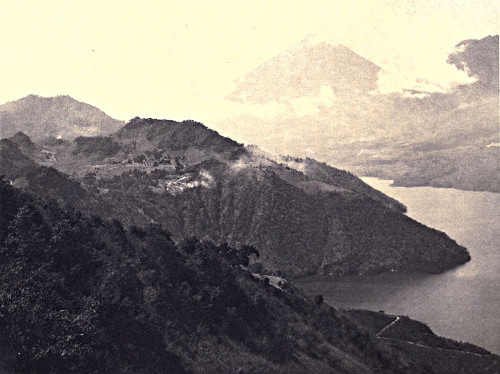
(86, 295)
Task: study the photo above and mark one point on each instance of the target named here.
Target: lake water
(463, 303)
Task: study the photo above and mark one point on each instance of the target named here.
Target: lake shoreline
(460, 303)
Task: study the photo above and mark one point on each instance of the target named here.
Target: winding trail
(386, 327)
(397, 318)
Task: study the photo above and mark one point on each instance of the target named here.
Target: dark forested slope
(85, 295)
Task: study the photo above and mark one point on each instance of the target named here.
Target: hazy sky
(178, 59)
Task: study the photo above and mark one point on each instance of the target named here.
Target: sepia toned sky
(179, 59)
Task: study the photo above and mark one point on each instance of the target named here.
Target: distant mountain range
(303, 70)
(304, 216)
(334, 113)
(58, 117)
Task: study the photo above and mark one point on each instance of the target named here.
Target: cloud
(479, 59)
(307, 105)
(425, 76)
(472, 61)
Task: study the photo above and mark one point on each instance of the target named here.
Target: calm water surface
(464, 303)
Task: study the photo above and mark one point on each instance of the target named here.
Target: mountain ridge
(60, 117)
(305, 217)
